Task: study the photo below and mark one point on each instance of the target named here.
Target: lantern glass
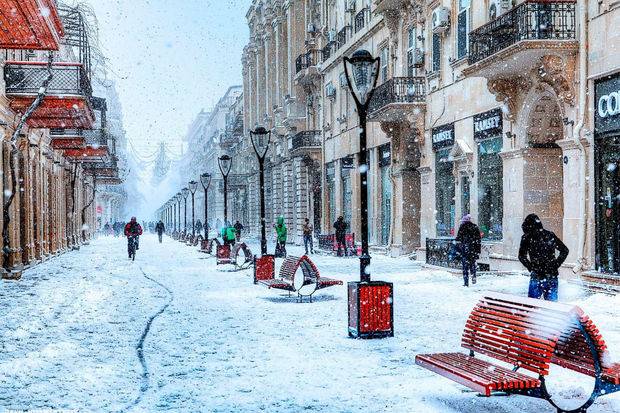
(205, 180)
(193, 185)
(261, 138)
(179, 197)
(225, 162)
(185, 192)
(362, 71)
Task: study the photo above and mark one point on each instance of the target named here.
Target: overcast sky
(170, 59)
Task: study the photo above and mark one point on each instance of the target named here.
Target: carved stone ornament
(558, 73)
(508, 91)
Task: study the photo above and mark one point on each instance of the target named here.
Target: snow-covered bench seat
(304, 283)
(529, 335)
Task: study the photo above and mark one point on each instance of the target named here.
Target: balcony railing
(327, 50)
(27, 77)
(342, 37)
(95, 137)
(361, 18)
(532, 20)
(306, 139)
(66, 133)
(306, 60)
(398, 90)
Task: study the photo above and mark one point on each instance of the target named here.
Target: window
(444, 194)
(411, 46)
(462, 29)
(490, 187)
(384, 64)
(436, 52)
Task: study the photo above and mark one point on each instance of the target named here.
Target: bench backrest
(288, 268)
(310, 271)
(521, 331)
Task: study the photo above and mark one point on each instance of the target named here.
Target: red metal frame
(68, 143)
(30, 24)
(87, 154)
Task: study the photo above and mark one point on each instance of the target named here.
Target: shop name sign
(443, 136)
(488, 124)
(607, 104)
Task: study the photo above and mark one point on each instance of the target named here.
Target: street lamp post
(361, 72)
(185, 194)
(179, 197)
(205, 181)
(225, 163)
(261, 138)
(193, 185)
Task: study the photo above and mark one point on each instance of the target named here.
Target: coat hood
(531, 223)
(280, 221)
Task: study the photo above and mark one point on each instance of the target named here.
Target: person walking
(281, 236)
(228, 234)
(198, 227)
(542, 253)
(238, 229)
(307, 233)
(341, 234)
(468, 243)
(160, 229)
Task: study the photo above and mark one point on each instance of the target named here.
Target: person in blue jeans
(468, 244)
(542, 253)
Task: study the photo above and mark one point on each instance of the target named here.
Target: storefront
(607, 173)
(443, 140)
(385, 162)
(346, 166)
(488, 137)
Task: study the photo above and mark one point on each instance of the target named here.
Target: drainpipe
(583, 95)
(8, 199)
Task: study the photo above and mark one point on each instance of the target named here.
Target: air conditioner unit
(349, 6)
(499, 7)
(441, 20)
(418, 57)
(331, 35)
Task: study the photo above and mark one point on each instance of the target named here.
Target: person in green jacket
(282, 234)
(228, 234)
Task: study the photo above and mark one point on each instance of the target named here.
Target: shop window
(331, 190)
(465, 195)
(444, 194)
(462, 29)
(384, 64)
(607, 152)
(490, 188)
(411, 44)
(347, 189)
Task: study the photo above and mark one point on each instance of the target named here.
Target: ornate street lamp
(225, 164)
(205, 181)
(185, 194)
(193, 186)
(261, 138)
(362, 71)
(179, 198)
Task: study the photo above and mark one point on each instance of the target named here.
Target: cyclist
(133, 230)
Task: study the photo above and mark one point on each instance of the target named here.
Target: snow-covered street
(92, 331)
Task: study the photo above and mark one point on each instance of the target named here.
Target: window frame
(467, 12)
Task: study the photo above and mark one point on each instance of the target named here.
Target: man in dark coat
(468, 239)
(341, 232)
(537, 253)
(238, 229)
(160, 230)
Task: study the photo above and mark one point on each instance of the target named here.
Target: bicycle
(132, 247)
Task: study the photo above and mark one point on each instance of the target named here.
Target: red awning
(30, 24)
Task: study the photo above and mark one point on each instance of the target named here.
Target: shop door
(347, 194)
(386, 205)
(608, 206)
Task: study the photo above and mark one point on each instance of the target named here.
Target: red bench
(241, 256)
(529, 335)
(304, 283)
(328, 242)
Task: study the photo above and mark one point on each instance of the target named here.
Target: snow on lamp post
(193, 186)
(261, 138)
(225, 164)
(370, 303)
(205, 181)
(185, 194)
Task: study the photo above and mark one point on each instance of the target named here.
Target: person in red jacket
(133, 230)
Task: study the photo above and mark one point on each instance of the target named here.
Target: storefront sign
(488, 124)
(607, 101)
(347, 163)
(443, 136)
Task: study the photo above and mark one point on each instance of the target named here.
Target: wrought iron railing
(306, 60)
(531, 20)
(361, 18)
(342, 37)
(27, 78)
(398, 90)
(66, 133)
(327, 51)
(306, 139)
(95, 137)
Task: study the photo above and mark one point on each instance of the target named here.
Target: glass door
(386, 205)
(608, 205)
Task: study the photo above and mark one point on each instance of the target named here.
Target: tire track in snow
(145, 383)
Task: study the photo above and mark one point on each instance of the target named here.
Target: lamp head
(225, 163)
(192, 185)
(205, 180)
(362, 72)
(185, 192)
(260, 138)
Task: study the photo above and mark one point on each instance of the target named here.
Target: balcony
(305, 141)
(382, 6)
(397, 98)
(515, 42)
(67, 102)
(67, 138)
(343, 35)
(306, 67)
(105, 172)
(30, 24)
